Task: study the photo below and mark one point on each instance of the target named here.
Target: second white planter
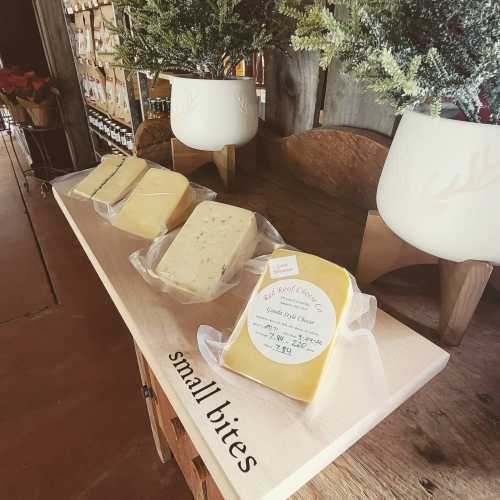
(440, 187)
(210, 114)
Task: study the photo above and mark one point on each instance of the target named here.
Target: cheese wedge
(212, 246)
(119, 184)
(98, 177)
(284, 337)
(161, 200)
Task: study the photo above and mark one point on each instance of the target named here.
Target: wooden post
(348, 104)
(54, 34)
(495, 279)
(462, 285)
(291, 91)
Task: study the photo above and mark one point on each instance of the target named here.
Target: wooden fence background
(297, 89)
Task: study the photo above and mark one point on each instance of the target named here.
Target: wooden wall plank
(291, 91)
(347, 104)
(58, 50)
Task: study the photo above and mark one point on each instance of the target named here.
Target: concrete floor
(73, 422)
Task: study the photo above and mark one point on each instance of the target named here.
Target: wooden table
(291, 443)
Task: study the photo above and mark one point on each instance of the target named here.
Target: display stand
(187, 160)
(289, 442)
(462, 283)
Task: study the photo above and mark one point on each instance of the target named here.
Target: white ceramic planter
(440, 187)
(210, 114)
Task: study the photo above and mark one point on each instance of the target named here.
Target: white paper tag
(282, 267)
(291, 321)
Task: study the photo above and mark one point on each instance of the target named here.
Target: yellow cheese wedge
(213, 245)
(310, 296)
(97, 178)
(161, 200)
(119, 184)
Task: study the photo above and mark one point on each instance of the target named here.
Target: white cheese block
(96, 179)
(120, 183)
(161, 200)
(212, 246)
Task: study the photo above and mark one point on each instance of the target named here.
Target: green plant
(411, 52)
(207, 38)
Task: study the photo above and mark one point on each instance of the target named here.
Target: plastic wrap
(197, 194)
(194, 195)
(146, 261)
(79, 175)
(82, 174)
(353, 374)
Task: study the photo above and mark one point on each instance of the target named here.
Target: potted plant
(28, 96)
(205, 39)
(13, 81)
(39, 100)
(442, 176)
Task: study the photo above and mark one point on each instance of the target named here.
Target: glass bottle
(130, 141)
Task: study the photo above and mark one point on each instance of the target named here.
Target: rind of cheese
(117, 186)
(87, 187)
(161, 200)
(211, 247)
(299, 381)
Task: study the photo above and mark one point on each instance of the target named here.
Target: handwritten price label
(291, 321)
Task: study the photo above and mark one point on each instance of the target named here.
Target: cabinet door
(171, 438)
(154, 419)
(185, 454)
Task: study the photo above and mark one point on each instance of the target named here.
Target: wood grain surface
(291, 91)
(344, 162)
(163, 451)
(152, 141)
(443, 443)
(462, 285)
(309, 438)
(383, 251)
(348, 104)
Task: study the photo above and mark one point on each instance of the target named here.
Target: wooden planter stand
(462, 283)
(186, 160)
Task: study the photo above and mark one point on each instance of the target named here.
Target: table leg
(462, 285)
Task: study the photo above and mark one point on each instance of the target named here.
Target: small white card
(282, 267)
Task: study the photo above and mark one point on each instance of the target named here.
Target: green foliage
(410, 52)
(203, 37)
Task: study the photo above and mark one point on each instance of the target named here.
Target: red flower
(27, 84)
(38, 83)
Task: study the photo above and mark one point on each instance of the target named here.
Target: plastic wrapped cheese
(161, 201)
(285, 336)
(87, 187)
(120, 183)
(206, 257)
(213, 244)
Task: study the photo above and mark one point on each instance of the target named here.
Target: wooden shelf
(104, 112)
(84, 5)
(111, 143)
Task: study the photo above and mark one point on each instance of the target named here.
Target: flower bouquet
(10, 82)
(28, 96)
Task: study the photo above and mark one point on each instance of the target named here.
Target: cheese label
(282, 267)
(291, 321)
(284, 337)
